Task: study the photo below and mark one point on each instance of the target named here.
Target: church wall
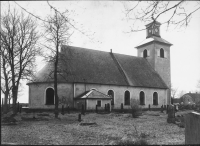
(37, 93)
(163, 67)
(120, 90)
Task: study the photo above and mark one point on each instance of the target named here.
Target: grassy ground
(106, 129)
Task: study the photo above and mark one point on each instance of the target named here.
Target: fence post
(162, 109)
(18, 107)
(96, 108)
(2, 106)
(108, 106)
(62, 110)
(122, 107)
(68, 109)
(82, 110)
(79, 117)
(167, 109)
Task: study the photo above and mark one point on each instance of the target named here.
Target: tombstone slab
(192, 128)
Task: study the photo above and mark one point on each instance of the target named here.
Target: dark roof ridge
(100, 51)
(120, 68)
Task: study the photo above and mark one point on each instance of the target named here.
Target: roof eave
(137, 47)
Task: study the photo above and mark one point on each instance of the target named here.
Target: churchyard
(94, 128)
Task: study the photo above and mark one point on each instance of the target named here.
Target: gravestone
(192, 128)
(171, 115)
(182, 122)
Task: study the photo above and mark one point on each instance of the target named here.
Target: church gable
(93, 94)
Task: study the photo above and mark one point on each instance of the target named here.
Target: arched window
(145, 53)
(142, 98)
(161, 53)
(49, 96)
(111, 93)
(155, 98)
(127, 98)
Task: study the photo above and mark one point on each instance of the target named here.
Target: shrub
(136, 109)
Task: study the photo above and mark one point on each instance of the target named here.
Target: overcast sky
(106, 24)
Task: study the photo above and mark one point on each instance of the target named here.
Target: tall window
(127, 98)
(161, 53)
(99, 103)
(145, 53)
(155, 98)
(111, 94)
(49, 96)
(142, 98)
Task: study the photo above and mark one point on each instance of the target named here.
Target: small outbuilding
(92, 98)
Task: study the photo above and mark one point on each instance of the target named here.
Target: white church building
(92, 77)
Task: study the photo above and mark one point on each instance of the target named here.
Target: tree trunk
(14, 93)
(55, 87)
(5, 108)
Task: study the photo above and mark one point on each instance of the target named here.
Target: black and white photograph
(100, 72)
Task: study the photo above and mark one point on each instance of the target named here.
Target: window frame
(98, 103)
(129, 96)
(162, 53)
(156, 100)
(45, 96)
(113, 98)
(145, 52)
(143, 97)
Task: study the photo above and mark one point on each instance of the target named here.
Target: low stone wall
(192, 128)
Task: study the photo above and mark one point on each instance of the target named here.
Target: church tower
(157, 52)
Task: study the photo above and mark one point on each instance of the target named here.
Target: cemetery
(102, 127)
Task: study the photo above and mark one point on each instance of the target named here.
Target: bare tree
(173, 93)
(181, 93)
(174, 12)
(19, 38)
(56, 34)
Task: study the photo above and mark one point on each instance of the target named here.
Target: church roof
(153, 39)
(82, 65)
